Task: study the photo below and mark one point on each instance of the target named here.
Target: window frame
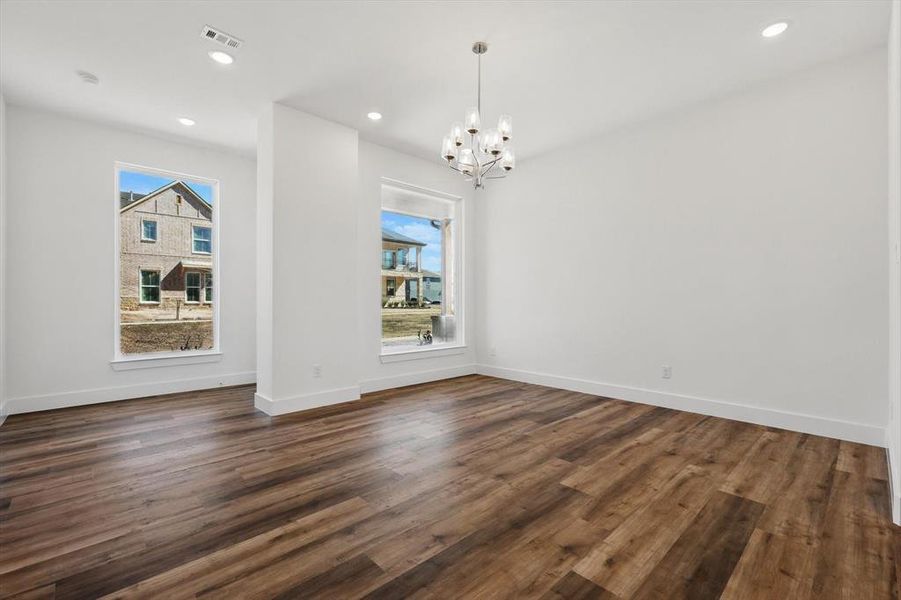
(120, 361)
(141, 286)
(156, 230)
(195, 239)
(452, 284)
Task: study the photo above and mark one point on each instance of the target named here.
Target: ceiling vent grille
(220, 37)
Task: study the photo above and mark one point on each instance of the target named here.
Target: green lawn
(407, 322)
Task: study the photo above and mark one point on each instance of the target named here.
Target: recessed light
(774, 29)
(186, 121)
(223, 58)
(374, 116)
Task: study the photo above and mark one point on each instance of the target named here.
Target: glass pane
(150, 294)
(182, 321)
(412, 308)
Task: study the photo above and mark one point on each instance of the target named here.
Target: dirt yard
(406, 322)
(177, 336)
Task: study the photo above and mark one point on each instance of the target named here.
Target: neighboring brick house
(165, 248)
(401, 268)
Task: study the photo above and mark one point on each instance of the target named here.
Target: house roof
(433, 274)
(130, 199)
(393, 236)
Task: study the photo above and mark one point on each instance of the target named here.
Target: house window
(192, 287)
(201, 239)
(422, 228)
(387, 259)
(150, 287)
(164, 288)
(148, 230)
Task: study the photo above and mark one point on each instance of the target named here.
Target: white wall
(60, 270)
(307, 211)
(377, 162)
(2, 258)
(319, 255)
(894, 214)
(741, 242)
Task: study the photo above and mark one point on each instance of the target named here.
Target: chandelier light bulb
(448, 149)
(457, 133)
(466, 162)
(505, 127)
(508, 161)
(472, 120)
(493, 143)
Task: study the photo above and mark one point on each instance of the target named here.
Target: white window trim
(194, 239)
(120, 361)
(392, 354)
(199, 287)
(141, 286)
(156, 230)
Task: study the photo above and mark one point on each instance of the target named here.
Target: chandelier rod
(479, 86)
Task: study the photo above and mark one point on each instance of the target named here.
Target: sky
(130, 181)
(418, 229)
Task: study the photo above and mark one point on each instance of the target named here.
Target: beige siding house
(166, 246)
(401, 269)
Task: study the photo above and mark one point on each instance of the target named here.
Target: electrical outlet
(317, 370)
(667, 372)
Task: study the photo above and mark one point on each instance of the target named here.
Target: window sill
(419, 352)
(163, 360)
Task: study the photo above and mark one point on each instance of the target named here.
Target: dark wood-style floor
(472, 487)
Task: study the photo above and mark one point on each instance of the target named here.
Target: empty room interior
(395, 299)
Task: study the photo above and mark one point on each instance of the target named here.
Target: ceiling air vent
(220, 37)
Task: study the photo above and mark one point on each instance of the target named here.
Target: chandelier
(477, 158)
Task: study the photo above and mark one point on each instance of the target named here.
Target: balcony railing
(412, 268)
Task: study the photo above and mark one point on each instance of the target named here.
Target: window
(387, 259)
(150, 287)
(420, 230)
(148, 230)
(192, 287)
(164, 284)
(201, 239)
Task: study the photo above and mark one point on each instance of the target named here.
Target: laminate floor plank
(473, 487)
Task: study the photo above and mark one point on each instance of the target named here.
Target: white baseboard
(396, 381)
(804, 423)
(291, 404)
(28, 404)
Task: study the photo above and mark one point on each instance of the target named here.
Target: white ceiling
(564, 70)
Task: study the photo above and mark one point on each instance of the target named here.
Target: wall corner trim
(291, 404)
(804, 423)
